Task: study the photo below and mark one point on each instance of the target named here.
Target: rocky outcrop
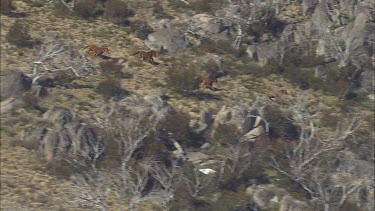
(248, 123)
(66, 136)
(10, 104)
(14, 83)
(262, 52)
(200, 125)
(167, 39)
(288, 203)
(272, 197)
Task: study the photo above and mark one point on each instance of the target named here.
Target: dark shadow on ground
(106, 57)
(202, 96)
(17, 14)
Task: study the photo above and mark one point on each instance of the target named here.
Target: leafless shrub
(92, 189)
(56, 54)
(302, 161)
(198, 182)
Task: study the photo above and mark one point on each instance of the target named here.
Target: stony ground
(23, 179)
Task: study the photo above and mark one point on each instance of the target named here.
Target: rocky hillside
(203, 127)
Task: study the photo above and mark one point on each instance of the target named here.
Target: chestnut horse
(146, 55)
(275, 94)
(97, 50)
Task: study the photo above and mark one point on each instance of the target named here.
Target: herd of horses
(206, 81)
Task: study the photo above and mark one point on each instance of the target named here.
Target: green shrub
(6, 7)
(181, 78)
(18, 34)
(88, 9)
(110, 87)
(117, 11)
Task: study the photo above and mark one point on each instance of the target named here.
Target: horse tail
(86, 47)
(153, 53)
(136, 53)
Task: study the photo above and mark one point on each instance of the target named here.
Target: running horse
(146, 55)
(98, 51)
(207, 81)
(275, 94)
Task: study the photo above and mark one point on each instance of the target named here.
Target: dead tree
(166, 178)
(198, 183)
(303, 158)
(69, 4)
(92, 190)
(56, 55)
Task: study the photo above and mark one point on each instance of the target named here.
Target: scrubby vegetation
(110, 87)
(88, 9)
(118, 11)
(198, 6)
(167, 143)
(6, 7)
(182, 78)
(19, 34)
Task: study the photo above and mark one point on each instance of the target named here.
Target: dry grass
(22, 175)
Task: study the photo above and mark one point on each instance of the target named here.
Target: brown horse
(275, 94)
(146, 55)
(206, 81)
(97, 50)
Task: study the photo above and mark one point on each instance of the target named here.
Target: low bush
(60, 9)
(110, 87)
(198, 6)
(181, 78)
(158, 10)
(117, 11)
(6, 7)
(18, 34)
(88, 9)
(280, 125)
(30, 101)
(141, 29)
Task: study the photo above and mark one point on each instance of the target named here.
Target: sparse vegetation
(181, 78)
(111, 68)
(110, 87)
(88, 9)
(19, 35)
(117, 11)
(6, 7)
(153, 151)
(198, 6)
(140, 28)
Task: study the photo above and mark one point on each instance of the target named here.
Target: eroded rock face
(288, 203)
(67, 136)
(167, 39)
(211, 27)
(246, 122)
(14, 83)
